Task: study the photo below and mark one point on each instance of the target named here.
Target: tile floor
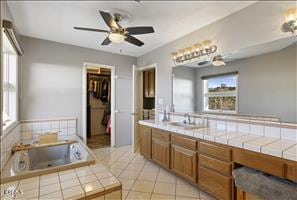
(142, 179)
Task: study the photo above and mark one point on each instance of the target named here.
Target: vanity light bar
(190, 54)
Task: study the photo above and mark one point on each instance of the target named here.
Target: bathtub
(46, 159)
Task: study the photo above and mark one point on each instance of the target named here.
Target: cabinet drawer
(184, 142)
(216, 184)
(215, 151)
(216, 165)
(160, 134)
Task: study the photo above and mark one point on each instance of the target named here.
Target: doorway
(98, 105)
(144, 97)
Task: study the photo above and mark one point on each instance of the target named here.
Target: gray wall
(52, 79)
(267, 84)
(184, 89)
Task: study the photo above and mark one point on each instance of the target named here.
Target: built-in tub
(45, 159)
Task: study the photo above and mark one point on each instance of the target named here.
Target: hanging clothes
(104, 91)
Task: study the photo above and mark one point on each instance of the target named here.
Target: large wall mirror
(258, 81)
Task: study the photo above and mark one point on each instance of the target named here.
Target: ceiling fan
(117, 33)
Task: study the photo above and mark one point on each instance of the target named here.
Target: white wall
(52, 79)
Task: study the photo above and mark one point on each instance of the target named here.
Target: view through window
(9, 83)
(220, 94)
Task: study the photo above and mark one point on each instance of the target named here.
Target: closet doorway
(98, 93)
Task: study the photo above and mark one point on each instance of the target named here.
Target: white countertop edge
(272, 152)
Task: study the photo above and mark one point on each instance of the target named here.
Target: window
(220, 93)
(9, 111)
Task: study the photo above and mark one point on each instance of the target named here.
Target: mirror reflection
(258, 81)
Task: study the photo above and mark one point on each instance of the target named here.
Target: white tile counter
(266, 144)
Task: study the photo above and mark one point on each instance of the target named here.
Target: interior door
(123, 107)
(136, 106)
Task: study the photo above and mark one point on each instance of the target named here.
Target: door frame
(84, 102)
(141, 69)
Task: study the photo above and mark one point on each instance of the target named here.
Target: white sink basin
(186, 126)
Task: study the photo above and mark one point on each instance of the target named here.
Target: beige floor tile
(138, 196)
(166, 177)
(98, 168)
(151, 168)
(49, 189)
(124, 194)
(164, 188)
(73, 193)
(116, 172)
(69, 183)
(187, 190)
(126, 183)
(119, 165)
(143, 186)
(52, 196)
(87, 179)
(148, 175)
(130, 174)
(162, 196)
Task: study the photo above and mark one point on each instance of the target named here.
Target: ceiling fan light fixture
(218, 61)
(116, 37)
(290, 24)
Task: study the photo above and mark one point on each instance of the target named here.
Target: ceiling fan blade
(133, 40)
(140, 30)
(109, 20)
(106, 41)
(91, 29)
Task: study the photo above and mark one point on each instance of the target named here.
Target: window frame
(7, 125)
(219, 94)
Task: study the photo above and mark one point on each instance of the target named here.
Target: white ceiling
(171, 20)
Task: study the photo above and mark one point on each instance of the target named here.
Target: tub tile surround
(8, 140)
(67, 185)
(269, 137)
(31, 129)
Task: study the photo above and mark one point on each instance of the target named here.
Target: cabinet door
(184, 162)
(161, 152)
(145, 141)
(218, 185)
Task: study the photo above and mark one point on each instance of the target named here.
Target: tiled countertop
(93, 181)
(286, 149)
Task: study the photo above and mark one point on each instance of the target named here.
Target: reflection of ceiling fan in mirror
(117, 33)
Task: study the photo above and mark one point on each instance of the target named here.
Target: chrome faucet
(189, 118)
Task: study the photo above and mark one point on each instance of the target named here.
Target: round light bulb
(116, 37)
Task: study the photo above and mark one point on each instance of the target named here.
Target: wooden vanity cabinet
(184, 157)
(145, 134)
(215, 167)
(161, 147)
